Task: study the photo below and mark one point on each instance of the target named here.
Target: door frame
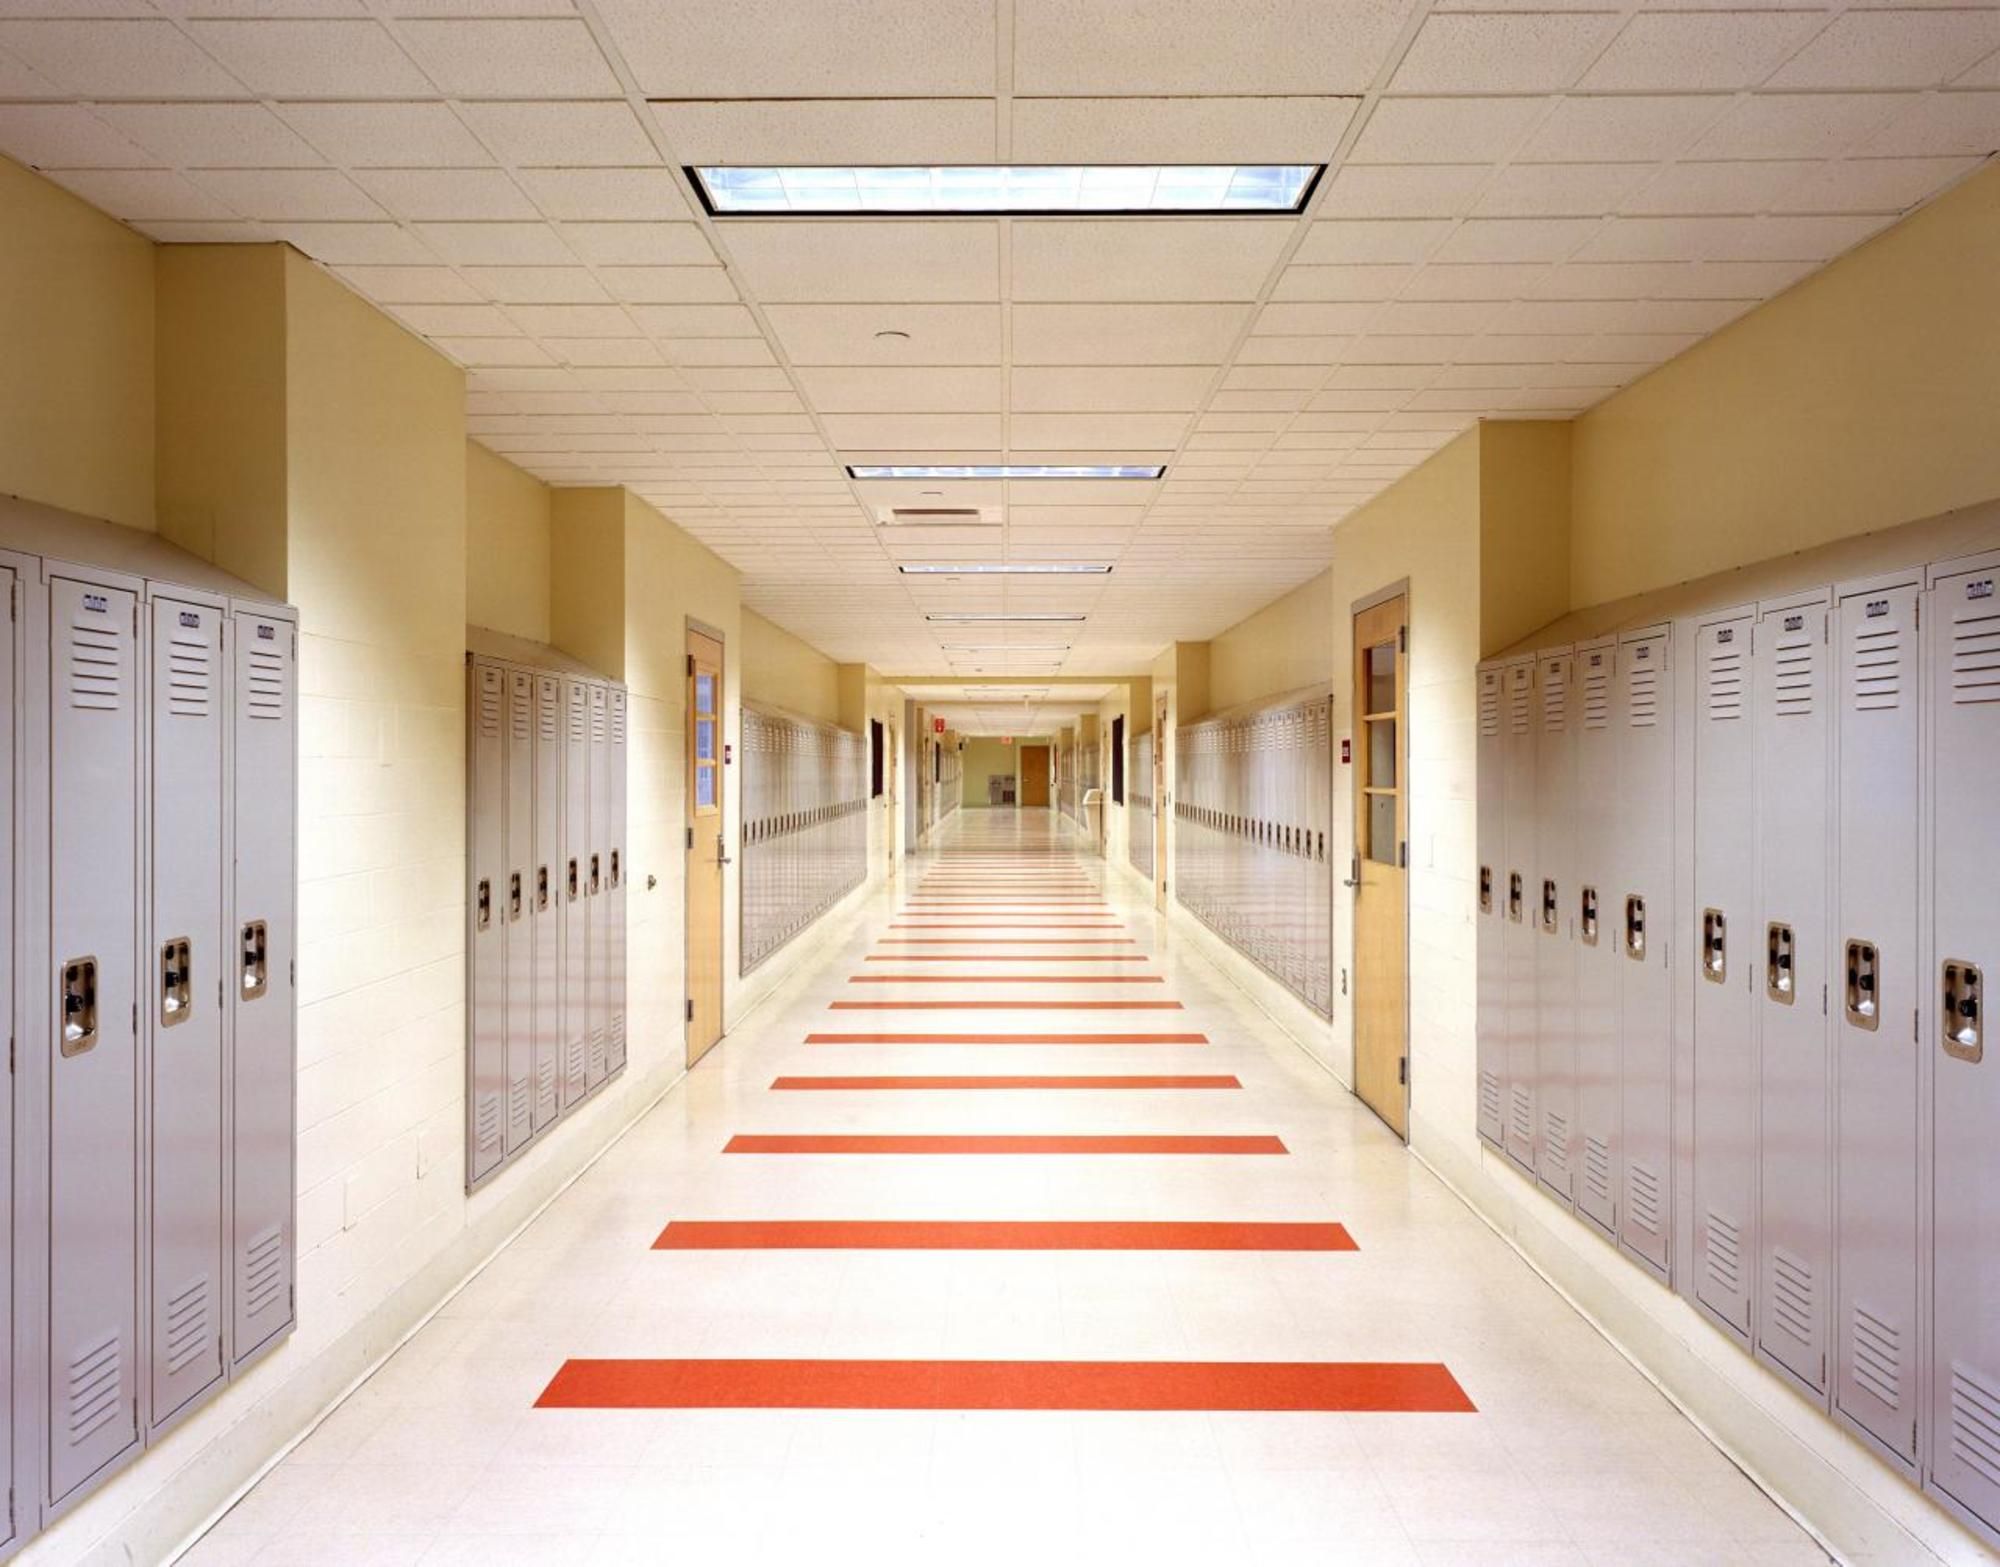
(699, 627)
(1399, 589)
(1159, 783)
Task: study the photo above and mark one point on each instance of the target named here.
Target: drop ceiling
(1006, 707)
(1524, 210)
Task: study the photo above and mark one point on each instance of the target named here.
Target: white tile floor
(1572, 1457)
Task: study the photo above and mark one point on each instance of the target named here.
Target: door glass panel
(704, 739)
(1382, 828)
(1382, 753)
(704, 692)
(704, 788)
(1382, 678)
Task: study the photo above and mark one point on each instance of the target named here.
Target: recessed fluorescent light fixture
(1008, 470)
(1006, 647)
(1033, 568)
(1015, 189)
(966, 617)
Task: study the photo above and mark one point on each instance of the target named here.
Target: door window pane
(704, 788)
(1382, 753)
(1382, 828)
(704, 739)
(1382, 678)
(704, 692)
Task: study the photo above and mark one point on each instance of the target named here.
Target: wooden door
(707, 845)
(1160, 802)
(1381, 858)
(1034, 776)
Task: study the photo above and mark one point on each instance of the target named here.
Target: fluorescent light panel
(1007, 470)
(963, 617)
(1006, 647)
(1041, 568)
(1039, 189)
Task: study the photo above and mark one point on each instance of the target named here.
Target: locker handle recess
(541, 887)
(1550, 918)
(1780, 978)
(1635, 926)
(1485, 889)
(614, 869)
(256, 968)
(485, 902)
(79, 1005)
(1864, 1006)
(572, 879)
(1587, 916)
(1714, 946)
(1514, 896)
(176, 981)
(1963, 1030)
(514, 896)
(596, 885)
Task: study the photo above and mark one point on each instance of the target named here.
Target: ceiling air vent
(938, 517)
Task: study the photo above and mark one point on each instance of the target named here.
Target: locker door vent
(1517, 703)
(1975, 1422)
(489, 704)
(1725, 684)
(487, 1132)
(545, 1081)
(1975, 658)
(1642, 696)
(1878, 669)
(189, 1329)
(551, 725)
(190, 674)
(617, 719)
(1489, 1097)
(576, 718)
(1793, 676)
(597, 1056)
(1597, 1168)
(263, 1270)
(1489, 703)
(517, 1101)
(1644, 1189)
(95, 1376)
(1597, 693)
(1524, 1114)
(1555, 696)
(1555, 1134)
(521, 709)
(576, 1058)
(96, 671)
(597, 715)
(1723, 1255)
(1878, 1356)
(1791, 1280)
(265, 697)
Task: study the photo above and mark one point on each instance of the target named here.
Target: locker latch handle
(572, 879)
(1550, 918)
(514, 896)
(176, 981)
(1514, 896)
(1864, 1002)
(541, 888)
(1635, 926)
(79, 1005)
(1485, 889)
(1714, 946)
(256, 976)
(1587, 916)
(1962, 1030)
(1780, 976)
(485, 902)
(596, 885)
(614, 869)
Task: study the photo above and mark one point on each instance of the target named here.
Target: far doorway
(1034, 788)
(707, 842)
(1160, 802)
(1380, 879)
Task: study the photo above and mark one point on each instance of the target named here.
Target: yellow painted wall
(782, 670)
(1524, 527)
(76, 354)
(508, 518)
(985, 757)
(1866, 396)
(1286, 645)
(587, 572)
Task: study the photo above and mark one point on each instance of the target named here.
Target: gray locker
(1594, 906)
(597, 965)
(1795, 1195)
(1644, 718)
(515, 897)
(1518, 937)
(12, 877)
(263, 1024)
(92, 1296)
(1724, 1132)
(545, 904)
(1965, 1348)
(486, 928)
(616, 869)
(1492, 843)
(182, 1011)
(1555, 925)
(576, 907)
(1877, 1019)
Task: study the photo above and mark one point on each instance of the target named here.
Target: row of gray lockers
(148, 781)
(805, 825)
(1139, 823)
(545, 907)
(1252, 853)
(1739, 894)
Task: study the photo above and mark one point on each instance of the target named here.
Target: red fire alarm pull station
(1346, 752)
(937, 725)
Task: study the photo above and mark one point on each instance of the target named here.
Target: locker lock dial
(1514, 896)
(1587, 912)
(1963, 1029)
(79, 1005)
(256, 977)
(1714, 946)
(1780, 978)
(1635, 926)
(176, 981)
(1864, 1005)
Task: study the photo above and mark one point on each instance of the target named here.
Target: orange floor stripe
(1006, 1039)
(1373, 1387)
(1006, 979)
(998, 1143)
(947, 1004)
(993, 1235)
(1006, 941)
(1007, 957)
(1022, 1080)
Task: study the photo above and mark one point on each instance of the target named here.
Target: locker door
(263, 1022)
(1875, 1014)
(1725, 1061)
(516, 897)
(1596, 907)
(486, 921)
(183, 1004)
(616, 870)
(1643, 910)
(1492, 835)
(575, 905)
(1555, 947)
(546, 906)
(1965, 1356)
(1795, 1197)
(93, 1168)
(1518, 929)
(597, 970)
(11, 729)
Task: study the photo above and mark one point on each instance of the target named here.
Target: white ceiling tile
(1706, 51)
(528, 57)
(805, 48)
(356, 244)
(1875, 49)
(387, 135)
(1141, 259)
(633, 195)
(1572, 316)
(1516, 239)
(1620, 129)
(1314, 319)
(548, 321)
(564, 135)
(1108, 388)
(831, 130)
(1476, 280)
(640, 244)
(65, 136)
(1292, 350)
(718, 351)
(1729, 239)
(1420, 316)
(170, 231)
(290, 195)
(1798, 125)
(1401, 190)
(1120, 334)
(412, 285)
(1475, 52)
(1735, 187)
(1984, 74)
(882, 389)
(457, 320)
(1292, 378)
(1365, 242)
(605, 351)
(534, 285)
(695, 320)
(497, 244)
(1342, 283)
(471, 195)
(1177, 130)
(135, 194)
(872, 259)
(1558, 190)
(211, 135)
(135, 58)
(471, 351)
(1445, 130)
(1942, 125)
(315, 58)
(1087, 431)
(669, 285)
(1873, 184)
